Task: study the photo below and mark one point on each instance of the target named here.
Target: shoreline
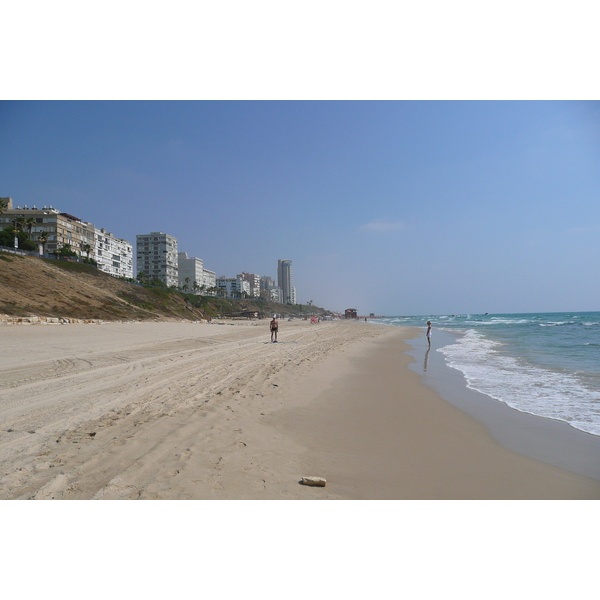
(382, 434)
(548, 440)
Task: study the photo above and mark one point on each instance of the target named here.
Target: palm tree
(87, 249)
(186, 285)
(18, 223)
(18, 228)
(3, 206)
(42, 241)
(195, 287)
(29, 222)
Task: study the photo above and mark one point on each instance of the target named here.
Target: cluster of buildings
(253, 285)
(113, 255)
(157, 256)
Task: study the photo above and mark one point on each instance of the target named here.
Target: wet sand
(549, 440)
(378, 433)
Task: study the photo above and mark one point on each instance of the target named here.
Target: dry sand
(198, 411)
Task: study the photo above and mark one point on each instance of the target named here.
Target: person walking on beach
(274, 327)
(428, 332)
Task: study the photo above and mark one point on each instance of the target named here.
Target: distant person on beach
(429, 332)
(274, 328)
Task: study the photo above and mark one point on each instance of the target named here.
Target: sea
(545, 364)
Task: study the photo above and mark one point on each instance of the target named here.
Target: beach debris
(314, 481)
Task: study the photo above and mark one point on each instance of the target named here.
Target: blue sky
(393, 207)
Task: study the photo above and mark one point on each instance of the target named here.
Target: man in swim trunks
(274, 328)
(429, 332)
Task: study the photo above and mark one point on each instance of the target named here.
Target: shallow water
(546, 364)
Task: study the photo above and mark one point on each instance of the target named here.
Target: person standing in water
(428, 332)
(274, 327)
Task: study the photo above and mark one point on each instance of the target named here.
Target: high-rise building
(285, 281)
(156, 255)
(113, 255)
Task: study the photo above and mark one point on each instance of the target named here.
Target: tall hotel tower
(285, 282)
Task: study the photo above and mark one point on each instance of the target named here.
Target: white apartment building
(156, 255)
(233, 286)
(191, 270)
(113, 255)
(210, 280)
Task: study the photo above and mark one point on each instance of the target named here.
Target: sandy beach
(215, 411)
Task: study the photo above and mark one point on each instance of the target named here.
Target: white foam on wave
(496, 321)
(487, 369)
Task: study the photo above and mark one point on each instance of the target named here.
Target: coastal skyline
(392, 207)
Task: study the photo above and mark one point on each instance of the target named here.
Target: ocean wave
(498, 322)
(528, 388)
